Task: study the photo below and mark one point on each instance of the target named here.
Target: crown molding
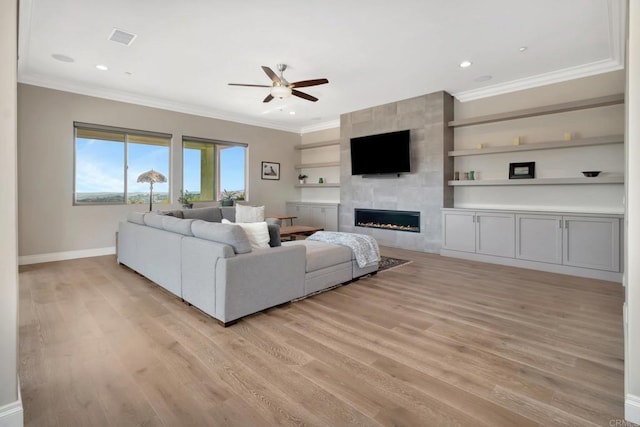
(617, 39)
(320, 126)
(121, 96)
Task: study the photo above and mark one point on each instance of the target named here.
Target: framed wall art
(526, 170)
(270, 170)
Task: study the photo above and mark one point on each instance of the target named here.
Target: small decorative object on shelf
(465, 176)
(320, 180)
(591, 174)
(479, 146)
(567, 136)
(516, 140)
(472, 175)
(456, 176)
(524, 170)
(302, 178)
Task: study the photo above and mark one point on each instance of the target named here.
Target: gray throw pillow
(274, 235)
(229, 234)
(210, 214)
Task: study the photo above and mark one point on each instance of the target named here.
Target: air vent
(122, 37)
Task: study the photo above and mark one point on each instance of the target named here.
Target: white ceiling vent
(122, 37)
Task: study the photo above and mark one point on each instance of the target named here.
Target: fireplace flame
(387, 226)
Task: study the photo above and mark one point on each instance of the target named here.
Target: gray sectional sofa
(213, 267)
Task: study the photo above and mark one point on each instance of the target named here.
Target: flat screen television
(386, 153)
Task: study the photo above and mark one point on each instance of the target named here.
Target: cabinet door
(592, 242)
(459, 231)
(331, 218)
(539, 238)
(495, 234)
(301, 212)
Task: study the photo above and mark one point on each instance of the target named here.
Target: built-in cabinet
(582, 244)
(322, 215)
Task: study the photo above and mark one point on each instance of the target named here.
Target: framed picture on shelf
(525, 170)
(270, 170)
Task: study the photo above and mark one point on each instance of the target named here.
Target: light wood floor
(436, 342)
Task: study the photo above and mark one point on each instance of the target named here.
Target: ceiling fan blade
(242, 84)
(269, 72)
(304, 95)
(268, 98)
(307, 83)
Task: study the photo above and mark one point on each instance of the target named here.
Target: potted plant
(227, 198)
(302, 178)
(186, 199)
(240, 197)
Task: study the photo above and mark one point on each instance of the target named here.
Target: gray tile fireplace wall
(425, 189)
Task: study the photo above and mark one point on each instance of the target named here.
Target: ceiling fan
(281, 88)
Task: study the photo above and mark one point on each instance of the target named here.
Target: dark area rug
(388, 263)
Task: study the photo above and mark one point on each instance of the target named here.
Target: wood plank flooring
(437, 342)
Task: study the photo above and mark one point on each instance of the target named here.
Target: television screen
(387, 153)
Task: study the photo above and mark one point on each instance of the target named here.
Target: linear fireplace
(387, 219)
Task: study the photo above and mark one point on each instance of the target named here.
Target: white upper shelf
(612, 179)
(540, 111)
(584, 142)
(317, 145)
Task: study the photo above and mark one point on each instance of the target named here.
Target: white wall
(632, 252)
(52, 228)
(320, 155)
(10, 406)
(549, 163)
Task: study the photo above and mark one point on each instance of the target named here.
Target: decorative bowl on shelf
(591, 174)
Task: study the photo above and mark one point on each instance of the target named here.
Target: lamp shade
(280, 92)
(151, 177)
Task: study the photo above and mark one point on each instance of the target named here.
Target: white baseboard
(11, 414)
(632, 408)
(533, 265)
(61, 256)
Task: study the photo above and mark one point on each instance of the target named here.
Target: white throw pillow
(257, 232)
(246, 213)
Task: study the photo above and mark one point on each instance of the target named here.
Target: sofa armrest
(264, 278)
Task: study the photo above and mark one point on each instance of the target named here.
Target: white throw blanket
(365, 248)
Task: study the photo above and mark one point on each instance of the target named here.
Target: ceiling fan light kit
(281, 88)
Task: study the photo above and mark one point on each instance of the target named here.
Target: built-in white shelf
(326, 185)
(317, 145)
(583, 142)
(613, 179)
(540, 111)
(316, 165)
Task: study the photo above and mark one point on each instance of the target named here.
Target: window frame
(126, 132)
(217, 143)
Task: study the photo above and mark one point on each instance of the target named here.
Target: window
(210, 167)
(108, 161)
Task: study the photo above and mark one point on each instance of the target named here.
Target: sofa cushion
(136, 217)
(246, 213)
(229, 234)
(228, 213)
(257, 232)
(154, 220)
(322, 255)
(210, 214)
(177, 225)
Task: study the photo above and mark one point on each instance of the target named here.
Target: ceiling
(372, 51)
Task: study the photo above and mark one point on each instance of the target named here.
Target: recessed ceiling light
(102, 67)
(465, 64)
(523, 48)
(62, 58)
(483, 78)
(293, 113)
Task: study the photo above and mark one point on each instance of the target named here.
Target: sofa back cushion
(136, 217)
(177, 225)
(154, 220)
(228, 213)
(229, 234)
(210, 214)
